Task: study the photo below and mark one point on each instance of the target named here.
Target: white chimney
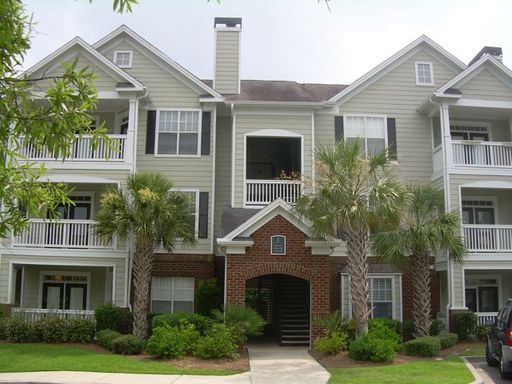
(226, 74)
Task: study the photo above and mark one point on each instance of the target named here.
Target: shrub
(80, 330)
(3, 325)
(436, 327)
(332, 343)
(218, 343)
(334, 323)
(448, 340)
(407, 330)
(208, 296)
(6, 310)
(172, 342)
(370, 347)
(106, 337)
(19, 331)
(182, 320)
(391, 324)
(427, 346)
(464, 325)
(114, 318)
(244, 321)
(51, 329)
(128, 345)
(481, 331)
(384, 329)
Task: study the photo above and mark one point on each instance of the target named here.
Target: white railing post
(263, 192)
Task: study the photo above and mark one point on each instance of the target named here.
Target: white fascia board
(279, 103)
(486, 58)
(124, 29)
(78, 41)
(385, 64)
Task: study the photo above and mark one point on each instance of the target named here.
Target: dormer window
(123, 59)
(424, 73)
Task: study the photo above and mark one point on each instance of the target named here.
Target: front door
(53, 296)
(76, 296)
(61, 291)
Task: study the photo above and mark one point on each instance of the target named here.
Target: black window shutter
(203, 215)
(392, 139)
(150, 132)
(338, 128)
(206, 132)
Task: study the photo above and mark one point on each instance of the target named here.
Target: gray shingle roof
(280, 90)
(233, 217)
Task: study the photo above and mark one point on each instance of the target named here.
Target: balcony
(84, 149)
(263, 192)
(482, 153)
(71, 234)
(488, 238)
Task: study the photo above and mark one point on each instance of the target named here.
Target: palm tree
(355, 193)
(425, 229)
(154, 215)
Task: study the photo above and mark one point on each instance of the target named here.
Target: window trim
(475, 124)
(130, 55)
(65, 273)
(196, 215)
(199, 132)
(172, 291)
(491, 199)
(370, 293)
(384, 117)
(431, 65)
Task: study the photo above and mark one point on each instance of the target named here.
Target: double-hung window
(424, 73)
(192, 201)
(369, 131)
(178, 132)
(381, 296)
(172, 294)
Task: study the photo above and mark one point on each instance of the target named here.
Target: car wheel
(491, 360)
(504, 369)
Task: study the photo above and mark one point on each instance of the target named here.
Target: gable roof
(166, 59)
(371, 76)
(105, 63)
(486, 59)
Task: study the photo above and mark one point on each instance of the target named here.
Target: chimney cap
(497, 52)
(230, 22)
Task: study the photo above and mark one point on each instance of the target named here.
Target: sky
(300, 40)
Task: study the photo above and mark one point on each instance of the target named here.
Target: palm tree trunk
(142, 267)
(357, 241)
(421, 306)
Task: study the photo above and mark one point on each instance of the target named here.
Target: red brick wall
(201, 267)
(298, 262)
(407, 292)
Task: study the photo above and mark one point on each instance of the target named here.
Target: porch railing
(263, 192)
(31, 315)
(84, 149)
(488, 238)
(61, 234)
(482, 153)
(485, 317)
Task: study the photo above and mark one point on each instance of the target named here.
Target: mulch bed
(342, 360)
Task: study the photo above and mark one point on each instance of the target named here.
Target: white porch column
(129, 150)
(444, 116)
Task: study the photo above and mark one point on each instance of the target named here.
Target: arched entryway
(284, 302)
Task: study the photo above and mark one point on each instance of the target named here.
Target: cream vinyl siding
(485, 85)
(227, 61)
(222, 170)
(168, 91)
(396, 95)
(250, 123)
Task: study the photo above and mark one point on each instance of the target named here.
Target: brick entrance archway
(298, 262)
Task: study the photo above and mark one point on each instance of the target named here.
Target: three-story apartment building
(243, 150)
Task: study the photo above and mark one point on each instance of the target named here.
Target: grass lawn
(54, 357)
(448, 371)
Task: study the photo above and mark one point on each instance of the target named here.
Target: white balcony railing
(482, 153)
(84, 149)
(263, 192)
(488, 238)
(61, 234)
(484, 318)
(31, 315)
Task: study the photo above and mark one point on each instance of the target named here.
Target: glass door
(53, 296)
(76, 296)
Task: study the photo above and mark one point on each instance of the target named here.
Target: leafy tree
(354, 193)
(425, 229)
(153, 215)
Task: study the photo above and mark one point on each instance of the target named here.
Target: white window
(369, 131)
(381, 296)
(424, 73)
(123, 59)
(178, 133)
(172, 294)
(193, 202)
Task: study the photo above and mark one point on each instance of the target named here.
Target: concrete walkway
(273, 364)
(269, 364)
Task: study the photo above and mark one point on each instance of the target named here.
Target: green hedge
(448, 340)
(106, 337)
(115, 318)
(465, 325)
(427, 346)
(183, 319)
(128, 345)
